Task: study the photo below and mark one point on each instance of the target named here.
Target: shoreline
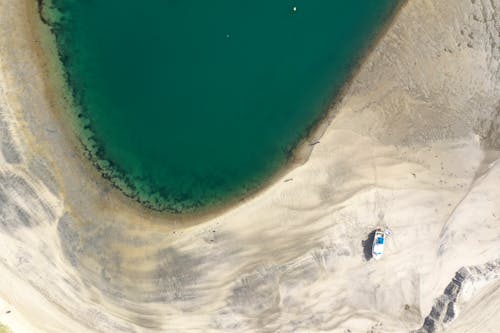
(297, 156)
(413, 147)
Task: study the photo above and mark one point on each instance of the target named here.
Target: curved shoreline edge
(296, 155)
(414, 146)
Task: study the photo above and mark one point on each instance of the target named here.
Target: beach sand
(413, 145)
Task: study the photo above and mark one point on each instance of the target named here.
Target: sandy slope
(414, 146)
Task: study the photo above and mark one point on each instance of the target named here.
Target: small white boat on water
(378, 244)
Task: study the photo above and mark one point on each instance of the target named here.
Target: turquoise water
(187, 104)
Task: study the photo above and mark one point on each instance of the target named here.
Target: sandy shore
(414, 146)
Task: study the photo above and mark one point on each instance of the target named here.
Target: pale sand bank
(414, 146)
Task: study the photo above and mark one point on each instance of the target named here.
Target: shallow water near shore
(184, 105)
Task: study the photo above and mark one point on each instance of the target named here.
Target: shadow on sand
(367, 245)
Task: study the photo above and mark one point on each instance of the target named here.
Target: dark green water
(186, 104)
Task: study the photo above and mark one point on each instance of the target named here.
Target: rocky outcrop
(466, 282)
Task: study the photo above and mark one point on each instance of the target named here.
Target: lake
(187, 105)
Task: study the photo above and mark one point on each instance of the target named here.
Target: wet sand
(413, 146)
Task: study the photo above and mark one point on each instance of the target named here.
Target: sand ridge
(413, 146)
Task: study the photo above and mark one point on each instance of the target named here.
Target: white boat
(378, 244)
